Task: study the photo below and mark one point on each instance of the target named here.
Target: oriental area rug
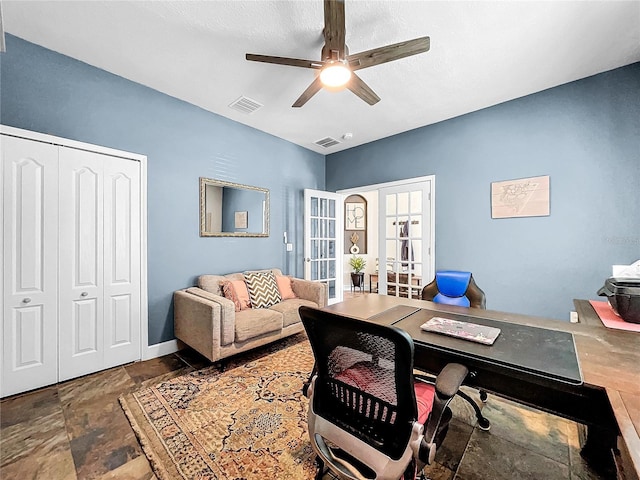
(246, 422)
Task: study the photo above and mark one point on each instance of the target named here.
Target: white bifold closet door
(99, 262)
(72, 269)
(30, 265)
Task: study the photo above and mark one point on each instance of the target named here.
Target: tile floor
(77, 430)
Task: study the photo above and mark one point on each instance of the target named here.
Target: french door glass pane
(403, 203)
(323, 207)
(415, 230)
(402, 228)
(391, 204)
(417, 250)
(390, 227)
(416, 201)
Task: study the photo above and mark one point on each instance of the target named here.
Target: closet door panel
(121, 261)
(81, 321)
(30, 252)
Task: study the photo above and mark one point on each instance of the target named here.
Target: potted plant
(357, 264)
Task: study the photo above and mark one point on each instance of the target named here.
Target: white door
(81, 323)
(121, 261)
(406, 239)
(323, 230)
(30, 277)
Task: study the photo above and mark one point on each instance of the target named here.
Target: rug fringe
(145, 443)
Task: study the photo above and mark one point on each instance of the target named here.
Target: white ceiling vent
(327, 142)
(245, 105)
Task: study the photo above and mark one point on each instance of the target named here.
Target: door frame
(432, 208)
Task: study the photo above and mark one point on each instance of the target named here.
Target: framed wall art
(524, 197)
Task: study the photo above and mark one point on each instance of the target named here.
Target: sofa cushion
(211, 283)
(284, 286)
(289, 310)
(256, 321)
(263, 289)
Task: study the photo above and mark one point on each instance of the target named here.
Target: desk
(607, 401)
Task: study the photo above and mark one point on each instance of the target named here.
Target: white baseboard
(160, 349)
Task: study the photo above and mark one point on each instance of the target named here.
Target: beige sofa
(206, 321)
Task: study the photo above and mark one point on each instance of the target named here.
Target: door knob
(26, 300)
(307, 260)
(84, 294)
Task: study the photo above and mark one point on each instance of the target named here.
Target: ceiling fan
(337, 67)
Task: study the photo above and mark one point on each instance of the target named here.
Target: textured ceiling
(482, 53)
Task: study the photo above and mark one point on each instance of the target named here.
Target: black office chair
(367, 418)
(453, 287)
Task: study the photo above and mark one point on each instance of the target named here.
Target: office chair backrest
(454, 287)
(364, 382)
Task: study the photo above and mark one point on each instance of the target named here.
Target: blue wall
(46, 92)
(585, 135)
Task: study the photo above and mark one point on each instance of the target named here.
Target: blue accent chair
(453, 287)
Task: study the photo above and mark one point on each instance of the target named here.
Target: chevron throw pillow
(263, 289)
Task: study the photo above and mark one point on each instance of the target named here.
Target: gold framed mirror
(230, 209)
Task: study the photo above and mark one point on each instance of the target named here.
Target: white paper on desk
(627, 271)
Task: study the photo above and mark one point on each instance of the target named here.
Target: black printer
(624, 297)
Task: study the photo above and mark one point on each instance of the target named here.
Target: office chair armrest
(448, 383)
(450, 379)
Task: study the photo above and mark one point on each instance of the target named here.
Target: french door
(405, 239)
(323, 230)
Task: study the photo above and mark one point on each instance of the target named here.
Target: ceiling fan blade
(389, 53)
(334, 30)
(294, 62)
(311, 90)
(361, 89)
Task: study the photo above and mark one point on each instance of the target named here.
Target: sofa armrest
(227, 313)
(196, 322)
(203, 321)
(308, 290)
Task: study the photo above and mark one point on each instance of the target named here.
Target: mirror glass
(233, 210)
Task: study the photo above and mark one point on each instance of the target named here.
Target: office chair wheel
(484, 424)
(483, 396)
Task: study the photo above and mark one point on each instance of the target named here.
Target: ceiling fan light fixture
(335, 75)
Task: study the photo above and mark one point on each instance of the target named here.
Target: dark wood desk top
(609, 359)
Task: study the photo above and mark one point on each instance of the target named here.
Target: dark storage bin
(624, 297)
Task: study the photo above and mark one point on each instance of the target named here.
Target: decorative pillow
(285, 287)
(230, 293)
(236, 291)
(263, 289)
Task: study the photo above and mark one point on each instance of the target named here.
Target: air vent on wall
(245, 105)
(327, 142)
